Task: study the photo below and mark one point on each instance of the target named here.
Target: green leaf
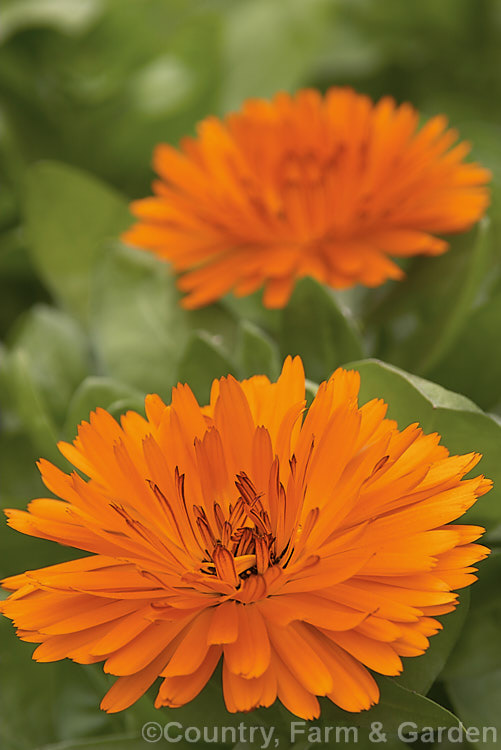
(473, 365)
(68, 16)
(397, 705)
(208, 709)
(99, 391)
(444, 331)
(423, 316)
(314, 327)
(257, 353)
(365, 743)
(476, 700)
(251, 308)
(477, 651)
(117, 742)
(69, 214)
(421, 672)
(19, 477)
(45, 703)
(47, 359)
(203, 361)
(19, 483)
(463, 427)
(55, 352)
(218, 321)
(138, 328)
(439, 396)
(28, 404)
(290, 35)
(26, 433)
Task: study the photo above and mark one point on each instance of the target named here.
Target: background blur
(95, 84)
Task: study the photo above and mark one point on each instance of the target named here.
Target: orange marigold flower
(306, 185)
(300, 553)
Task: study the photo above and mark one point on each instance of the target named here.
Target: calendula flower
(300, 553)
(305, 185)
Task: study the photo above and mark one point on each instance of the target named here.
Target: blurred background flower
(329, 187)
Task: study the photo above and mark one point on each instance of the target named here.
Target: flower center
(242, 544)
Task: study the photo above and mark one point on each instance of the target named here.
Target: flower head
(299, 552)
(306, 185)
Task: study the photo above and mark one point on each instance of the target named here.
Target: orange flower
(300, 553)
(306, 186)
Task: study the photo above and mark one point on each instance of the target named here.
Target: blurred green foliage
(87, 88)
